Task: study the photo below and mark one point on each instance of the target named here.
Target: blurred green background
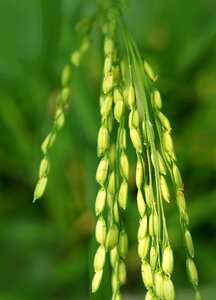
(46, 249)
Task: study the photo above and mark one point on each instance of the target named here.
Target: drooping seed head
(40, 188)
(143, 247)
(131, 97)
(102, 171)
(177, 177)
(192, 271)
(100, 230)
(149, 71)
(156, 99)
(100, 201)
(143, 228)
(112, 237)
(164, 189)
(136, 140)
(169, 292)
(99, 259)
(123, 244)
(141, 203)
(124, 165)
(103, 140)
(146, 275)
(189, 243)
(122, 274)
(167, 260)
(139, 173)
(133, 121)
(123, 194)
(97, 280)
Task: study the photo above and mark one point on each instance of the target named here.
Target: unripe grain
(164, 189)
(169, 292)
(131, 97)
(107, 82)
(112, 237)
(119, 110)
(99, 259)
(123, 194)
(167, 260)
(153, 257)
(40, 188)
(177, 176)
(139, 173)
(96, 281)
(143, 228)
(141, 203)
(123, 244)
(146, 274)
(103, 140)
(102, 171)
(100, 230)
(106, 106)
(149, 71)
(122, 275)
(143, 247)
(192, 271)
(156, 99)
(133, 121)
(164, 121)
(159, 284)
(100, 201)
(44, 167)
(189, 243)
(66, 75)
(136, 140)
(124, 164)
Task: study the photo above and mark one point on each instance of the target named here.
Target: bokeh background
(46, 249)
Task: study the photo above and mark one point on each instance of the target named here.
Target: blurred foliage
(46, 249)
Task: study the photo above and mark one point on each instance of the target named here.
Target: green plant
(128, 96)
